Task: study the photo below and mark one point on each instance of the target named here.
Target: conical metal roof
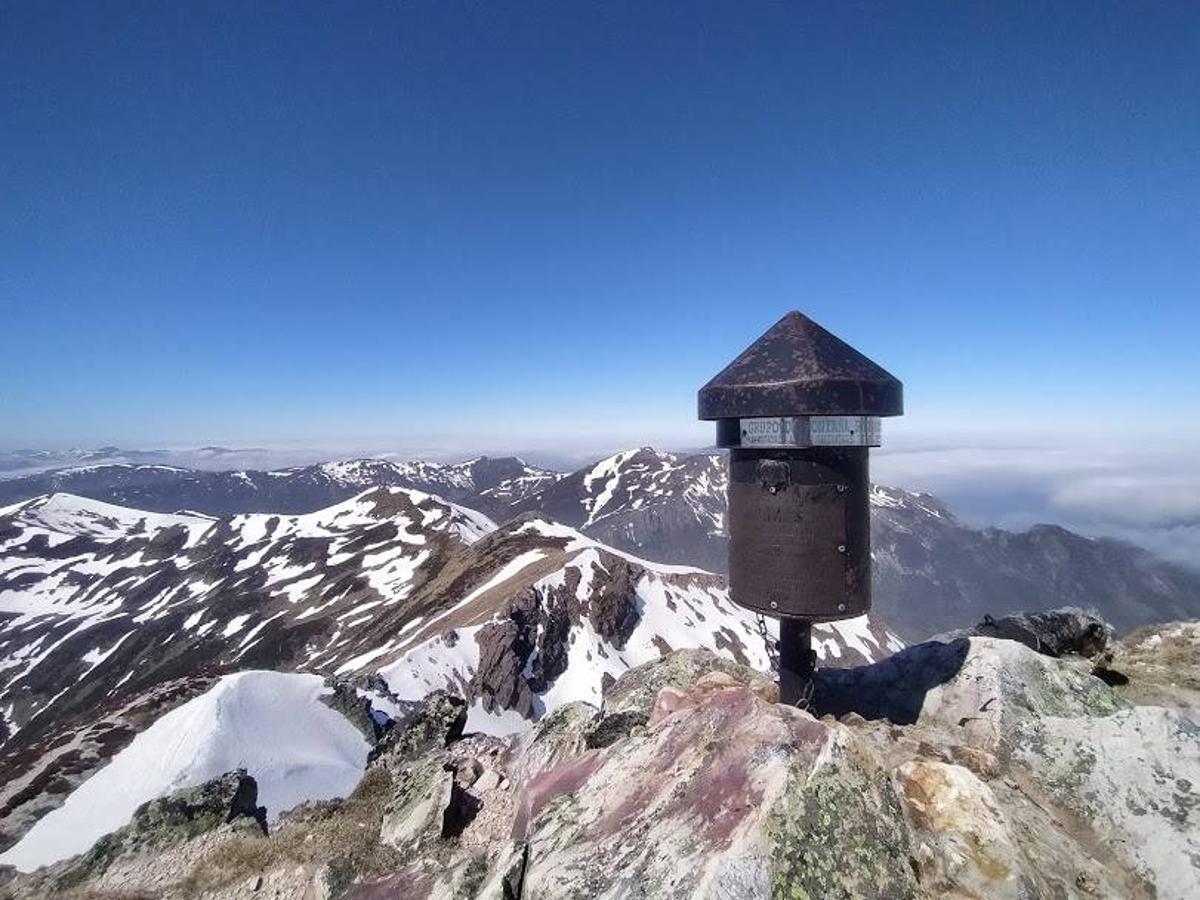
(799, 369)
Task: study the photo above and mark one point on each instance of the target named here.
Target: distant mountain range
(156, 487)
(31, 461)
(932, 572)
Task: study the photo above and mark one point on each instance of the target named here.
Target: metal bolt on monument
(798, 410)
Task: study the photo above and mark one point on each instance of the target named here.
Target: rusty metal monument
(798, 411)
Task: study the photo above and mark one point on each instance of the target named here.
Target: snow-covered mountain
(166, 488)
(133, 650)
(659, 505)
(102, 605)
(932, 573)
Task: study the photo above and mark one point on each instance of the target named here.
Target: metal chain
(769, 643)
(805, 700)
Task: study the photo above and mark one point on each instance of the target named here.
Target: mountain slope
(107, 613)
(562, 615)
(932, 572)
(659, 505)
(98, 601)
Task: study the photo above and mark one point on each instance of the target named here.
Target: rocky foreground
(970, 767)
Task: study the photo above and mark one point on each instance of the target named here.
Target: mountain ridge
(933, 573)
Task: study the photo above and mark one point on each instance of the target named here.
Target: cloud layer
(1147, 494)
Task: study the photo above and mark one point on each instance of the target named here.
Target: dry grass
(347, 831)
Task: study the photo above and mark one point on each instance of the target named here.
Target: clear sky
(538, 222)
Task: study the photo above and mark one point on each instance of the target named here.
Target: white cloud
(1148, 493)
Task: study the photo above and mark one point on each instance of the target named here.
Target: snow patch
(273, 724)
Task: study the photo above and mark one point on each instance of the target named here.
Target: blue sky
(517, 224)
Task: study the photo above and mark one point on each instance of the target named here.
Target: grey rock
(167, 821)
(1054, 632)
(346, 700)
(611, 727)
(437, 722)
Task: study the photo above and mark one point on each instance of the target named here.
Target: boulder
(437, 722)
(167, 821)
(416, 813)
(1055, 632)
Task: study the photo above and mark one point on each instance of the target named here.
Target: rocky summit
(973, 766)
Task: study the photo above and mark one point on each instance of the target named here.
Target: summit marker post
(798, 410)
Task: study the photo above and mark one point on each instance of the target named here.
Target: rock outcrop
(229, 800)
(972, 768)
(1054, 632)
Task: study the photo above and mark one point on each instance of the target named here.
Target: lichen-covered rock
(1003, 683)
(330, 881)
(637, 690)
(611, 727)
(837, 833)
(169, 820)
(968, 682)
(438, 721)
(1134, 776)
(418, 807)
(561, 735)
(678, 811)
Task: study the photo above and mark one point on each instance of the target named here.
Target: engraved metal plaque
(808, 431)
(800, 532)
(789, 554)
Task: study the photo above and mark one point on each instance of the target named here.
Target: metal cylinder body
(800, 531)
